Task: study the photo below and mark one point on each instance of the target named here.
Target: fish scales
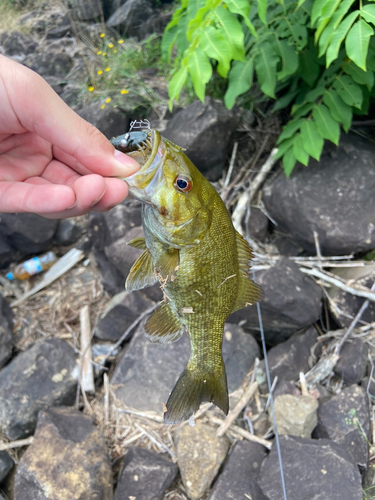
(201, 262)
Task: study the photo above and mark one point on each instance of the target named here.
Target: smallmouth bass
(201, 262)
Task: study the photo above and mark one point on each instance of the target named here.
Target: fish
(200, 261)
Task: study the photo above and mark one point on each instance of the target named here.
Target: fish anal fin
(137, 243)
(163, 326)
(142, 273)
(168, 263)
(194, 387)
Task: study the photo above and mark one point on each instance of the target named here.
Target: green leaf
(181, 41)
(349, 91)
(360, 76)
(336, 19)
(340, 111)
(289, 58)
(302, 111)
(299, 151)
(338, 37)
(317, 10)
(240, 81)
(285, 100)
(283, 148)
(167, 42)
(265, 65)
(368, 13)
(289, 130)
(196, 22)
(326, 15)
(232, 30)
(356, 43)
(200, 70)
(262, 11)
(289, 162)
(327, 126)
(312, 140)
(177, 82)
(309, 68)
(242, 7)
(217, 47)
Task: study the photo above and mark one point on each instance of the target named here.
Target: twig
(161, 446)
(302, 380)
(248, 195)
(149, 415)
(106, 398)
(317, 246)
(243, 433)
(87, 383)
(231, 165)
(233, 414)
(321, 370)
(16, 444)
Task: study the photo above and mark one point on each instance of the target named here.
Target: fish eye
(183, 183)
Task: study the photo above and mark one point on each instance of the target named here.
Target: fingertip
(126, 164)
(116, 192)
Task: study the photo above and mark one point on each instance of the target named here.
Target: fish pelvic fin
(142, 273)
(194, 387)
(137, 243)
(164, 326)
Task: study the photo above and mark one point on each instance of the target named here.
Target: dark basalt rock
(34, 380)
(50, 63)
(6, 465)
(145, 476)
(258, 224)
(16, 43)
(291, 302)
(110, 121)
(313, 469)
(205, 131)
(239, 477)
(130, 16)
(351, 366)
(345, 419)
(66, 461)
(333, 197)
(6, 331)
(87, 10)
(68, 232)
(29, 233)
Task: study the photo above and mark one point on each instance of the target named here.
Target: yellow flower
(110, 45)
(102, 35)
(108, 100)
(99, 52)
(104, 54)
(108, 69)
(102, 106)
(115, 51)
(100, 72)
(121, 41)
(91, 88)
(123, 91)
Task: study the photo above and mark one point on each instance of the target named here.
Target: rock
(56, 83)
(122, 310)
(261, 424)
(50, 63)
(123, 256)
(291, 302)
(113, 282)
(145, 476)
(286, 245)
(7, 253)
(348, 304)
(345, 419)
(239, 478)
(6, 331)
(61, 27)
(29, 233)
(147, 372)
(121, 219)
(86, 10)
(130, 16)
(6, 465)
(285, 387)
(200, 453)
(239, 351)
(68, 232)
(110, 121)
(351, 366)
(313, 469)
(67, 460)
(258, 224)
(332, 197)
(155, 24)
(15, 43)
(205, 131)
(296, 415)
(36, 379)
(288, 359)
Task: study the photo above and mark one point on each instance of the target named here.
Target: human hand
(52, 162)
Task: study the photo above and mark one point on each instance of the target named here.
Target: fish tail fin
(192, 388)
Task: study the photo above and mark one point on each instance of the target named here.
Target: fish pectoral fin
(142, 273)
(248, 293)
(163, 326)
(192, 388)
(137, 243)
(168, 263)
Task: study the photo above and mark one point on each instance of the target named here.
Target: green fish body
(201, 262)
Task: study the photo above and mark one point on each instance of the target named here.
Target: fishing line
(271, 397)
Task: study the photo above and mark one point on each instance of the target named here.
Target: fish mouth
(150, 156)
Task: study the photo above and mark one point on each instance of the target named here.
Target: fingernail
(128, 165)
(74, 204)
(98, 199)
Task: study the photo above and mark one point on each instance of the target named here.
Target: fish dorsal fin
(248, 291)
(168, 263)
(142, 273)
(138, 243)
(164, 326)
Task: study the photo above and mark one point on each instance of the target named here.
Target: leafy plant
(318, 57)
